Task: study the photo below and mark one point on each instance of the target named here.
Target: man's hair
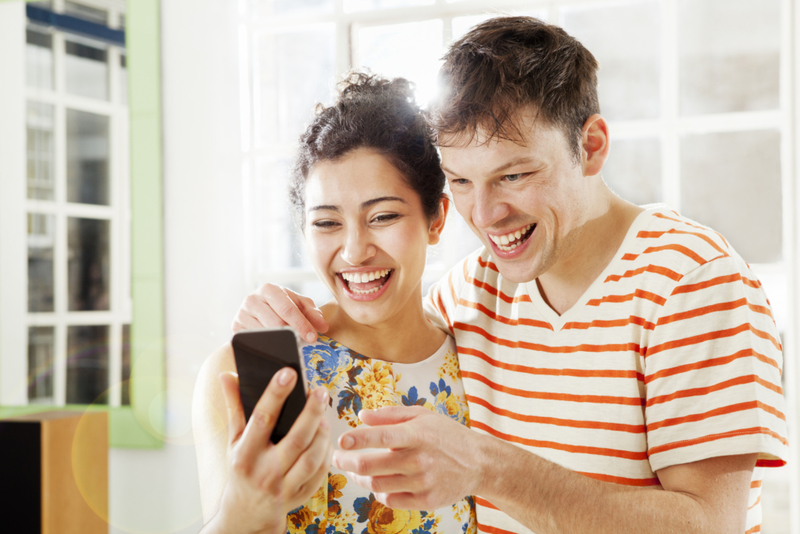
(507, 64)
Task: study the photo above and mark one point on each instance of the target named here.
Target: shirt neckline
(556, 321)
(440, 352)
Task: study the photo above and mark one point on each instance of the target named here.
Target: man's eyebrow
(363, 206)
(500, 169)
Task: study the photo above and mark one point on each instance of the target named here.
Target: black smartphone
(259, 355)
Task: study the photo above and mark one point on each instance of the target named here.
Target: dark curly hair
(376, 113)
(508, 63)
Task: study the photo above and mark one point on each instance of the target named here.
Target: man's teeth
(362, 278)
(511, 240)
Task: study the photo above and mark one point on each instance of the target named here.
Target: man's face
(526, 200)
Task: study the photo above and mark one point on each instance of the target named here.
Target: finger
(257, 312)
(389, 483)
(311, 312)
(304, 473)
(245, 321)
(230, 391)
(277, 302)
(375, 463)
(304, 430)
(391, 415)
(388, 436)
(265, 413)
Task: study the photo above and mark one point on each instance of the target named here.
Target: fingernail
(284, 377)
(311, 337)
(347, 442)
(321, 394)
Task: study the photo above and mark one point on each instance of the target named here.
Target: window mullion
(670, 143)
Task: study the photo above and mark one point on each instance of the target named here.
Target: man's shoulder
(663, 238)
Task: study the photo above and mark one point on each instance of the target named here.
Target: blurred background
(144, 150)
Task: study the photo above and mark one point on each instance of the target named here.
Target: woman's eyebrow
(364, 205)
(372, 202)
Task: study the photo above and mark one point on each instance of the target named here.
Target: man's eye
(513, 177)
(459, 181)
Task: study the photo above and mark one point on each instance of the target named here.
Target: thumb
(391, 415)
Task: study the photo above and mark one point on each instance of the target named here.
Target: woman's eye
(323, 224)
(385, 217)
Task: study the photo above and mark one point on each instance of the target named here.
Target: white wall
(157, 491)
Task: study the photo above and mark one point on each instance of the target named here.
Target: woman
(369, 194)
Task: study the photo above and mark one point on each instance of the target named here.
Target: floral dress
(356, 382)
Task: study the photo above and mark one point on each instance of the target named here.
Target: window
(689, 128)
(69, 334)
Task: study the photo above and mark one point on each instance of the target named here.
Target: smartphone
(259, 355)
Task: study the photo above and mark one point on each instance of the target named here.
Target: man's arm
(425, 449)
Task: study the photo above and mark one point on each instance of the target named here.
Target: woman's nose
(357, 247)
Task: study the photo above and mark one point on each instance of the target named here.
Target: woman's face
(367, 235)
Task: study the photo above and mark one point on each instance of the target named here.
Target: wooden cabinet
(54, 473)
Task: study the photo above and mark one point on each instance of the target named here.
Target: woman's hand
(272, 306)
(266, 481)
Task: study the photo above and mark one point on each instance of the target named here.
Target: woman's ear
(437, 224)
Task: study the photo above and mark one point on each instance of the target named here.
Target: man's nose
(358, 247)
(488, 208)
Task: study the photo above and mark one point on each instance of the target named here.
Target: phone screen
(259, 355)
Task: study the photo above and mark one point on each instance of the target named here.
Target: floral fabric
(356, 382)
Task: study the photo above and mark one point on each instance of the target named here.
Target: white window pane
(295, 70)
(732, 183)
(41, 343)
(39, 59)
(633, 170)
(87, 158)
(409, 50)
(86, 68)
(625, 40)
(363, 5)
(87, 364)
(461, 25)
(39, 119)
(41, 244)
(281, 245)
(729, 55)
(267, 8)
(92, 14)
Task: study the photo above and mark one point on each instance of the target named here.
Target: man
(621, 365)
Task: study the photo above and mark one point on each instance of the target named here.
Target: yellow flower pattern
(356, 382)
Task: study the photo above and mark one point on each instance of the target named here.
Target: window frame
(140, 425)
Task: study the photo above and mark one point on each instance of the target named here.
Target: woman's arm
(246, 483)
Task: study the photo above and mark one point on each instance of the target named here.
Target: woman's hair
(376, 113)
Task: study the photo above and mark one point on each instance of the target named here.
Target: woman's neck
(407, 338)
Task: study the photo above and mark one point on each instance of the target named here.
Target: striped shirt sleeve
(712, 371)
(442, 298)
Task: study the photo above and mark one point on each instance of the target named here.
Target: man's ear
(595, 145)
(437, 224)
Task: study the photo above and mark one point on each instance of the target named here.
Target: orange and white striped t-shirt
(671, 356)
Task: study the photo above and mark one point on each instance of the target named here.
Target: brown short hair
(508, 63)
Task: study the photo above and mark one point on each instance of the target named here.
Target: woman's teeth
(511, 240)
(362, 278)
(379, 277)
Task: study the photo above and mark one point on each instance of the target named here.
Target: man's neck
(600, 238)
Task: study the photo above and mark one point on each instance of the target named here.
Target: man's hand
(428, 463)
(272, 306)
(266, 481)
